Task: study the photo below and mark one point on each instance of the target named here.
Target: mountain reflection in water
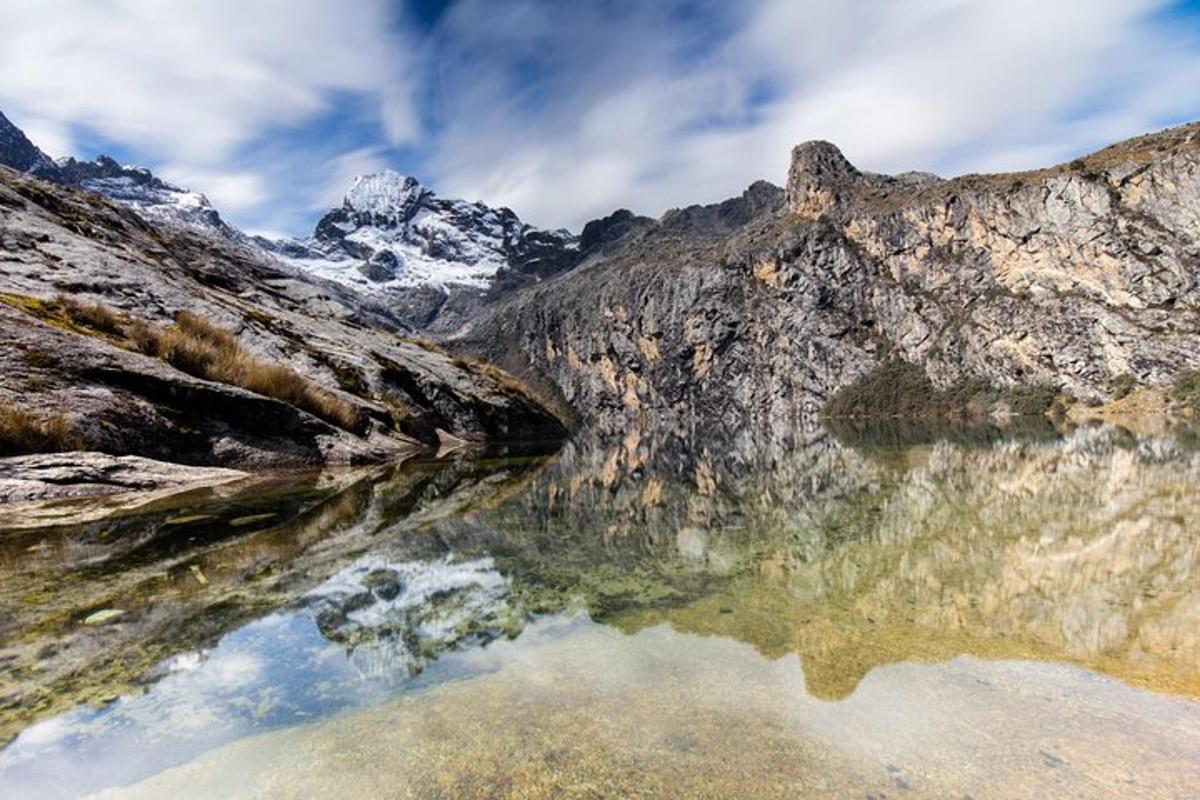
(998, 618)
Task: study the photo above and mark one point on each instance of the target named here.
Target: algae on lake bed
(641, 622)
(592, 713)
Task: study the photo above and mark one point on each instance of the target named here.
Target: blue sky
(567, 110)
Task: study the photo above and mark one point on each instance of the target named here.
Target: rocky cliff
(751, 314)
(171, 343)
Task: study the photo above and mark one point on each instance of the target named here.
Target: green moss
(40, 360)
(66, 313)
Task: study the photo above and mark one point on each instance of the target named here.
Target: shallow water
(990, 619)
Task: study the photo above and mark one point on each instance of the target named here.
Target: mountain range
(842, 295)
(437, 261)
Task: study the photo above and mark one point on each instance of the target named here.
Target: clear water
(844, 618)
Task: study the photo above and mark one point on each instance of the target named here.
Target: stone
(104, 616)
(54, 476)
(384, 583)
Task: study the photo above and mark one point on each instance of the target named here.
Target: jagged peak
(821, 156)
(384, 192)
(818, 176)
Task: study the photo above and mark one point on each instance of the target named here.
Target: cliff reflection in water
(1081, 549)
(1084, 549)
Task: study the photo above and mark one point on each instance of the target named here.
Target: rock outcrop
(750, 314)
(69, 475)
(18, 152)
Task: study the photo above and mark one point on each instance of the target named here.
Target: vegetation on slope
(22, 432)
(195, 346)
(1185, 390)
(901, 390)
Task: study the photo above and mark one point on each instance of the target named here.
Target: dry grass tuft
(196, 346)
(22, 432)
(423, 342)
(96, 316)
(506, 383)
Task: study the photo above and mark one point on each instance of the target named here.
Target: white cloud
(643, 117)
(194, 81)
(565, 111)
(52, 137)
(230, 192)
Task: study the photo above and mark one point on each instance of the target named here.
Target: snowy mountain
(150, 196)
(393, 233)
(435, 261)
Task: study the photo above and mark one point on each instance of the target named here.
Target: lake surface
(853, 616)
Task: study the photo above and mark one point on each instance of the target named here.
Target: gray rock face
(750, 314)
(62, 475)
(56, 240)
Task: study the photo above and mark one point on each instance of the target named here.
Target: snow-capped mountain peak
(386, 194)
(391, 232)
(391, 235)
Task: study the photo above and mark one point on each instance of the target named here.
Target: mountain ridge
(163, 341)
(746, 317)
(437, 260)
(1070, 277)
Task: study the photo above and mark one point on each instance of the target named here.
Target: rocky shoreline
(71, 475)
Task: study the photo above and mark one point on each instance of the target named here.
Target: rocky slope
(124, 379)
(750, 314)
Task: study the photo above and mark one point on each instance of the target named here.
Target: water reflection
(623, 591)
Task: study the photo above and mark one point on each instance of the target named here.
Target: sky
(565, 111)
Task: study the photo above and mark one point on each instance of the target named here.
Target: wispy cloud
(564, 111)
(197, 80)
(196, 89)
(659, 108)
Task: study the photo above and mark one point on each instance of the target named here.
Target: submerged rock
(104, 616)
